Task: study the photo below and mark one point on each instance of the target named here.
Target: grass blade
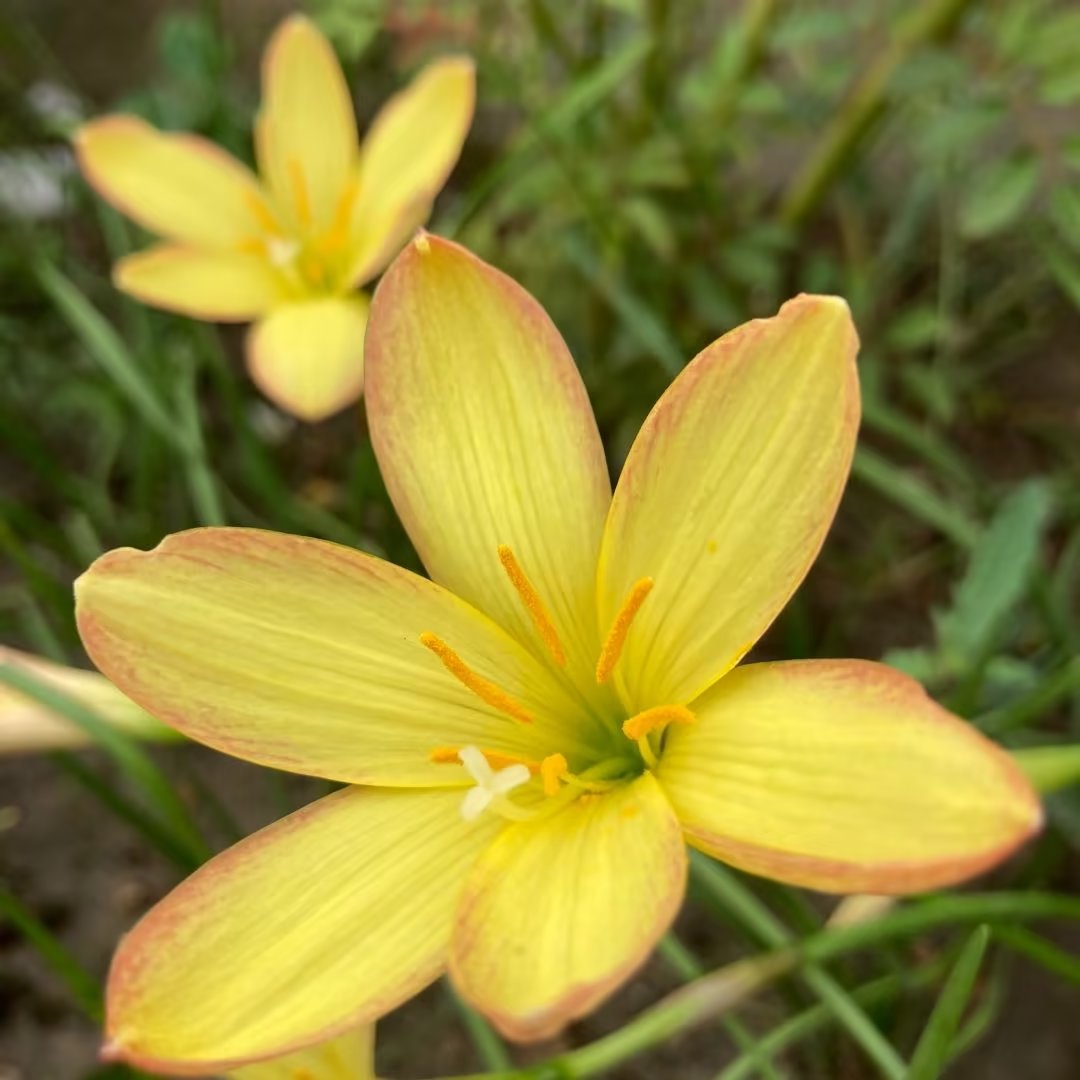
(747, 909)
(135, 763)
(934, 1049)
(84, 989)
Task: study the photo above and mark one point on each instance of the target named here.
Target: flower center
(496, 774)
(311, 260)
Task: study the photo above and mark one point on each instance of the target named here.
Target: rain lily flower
(286, 249)
(348, 1057)
(532, 736)
(27, 726)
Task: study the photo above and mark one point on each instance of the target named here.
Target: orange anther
(637, 727)
(261, 212)
(552, 769)
(531, 599)
(335, 238)
(483, 688)
(616, 638)
(448, 755)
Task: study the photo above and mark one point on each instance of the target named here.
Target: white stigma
(491, 784)
(282, 252)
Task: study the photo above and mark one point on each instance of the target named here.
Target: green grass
(654, 173)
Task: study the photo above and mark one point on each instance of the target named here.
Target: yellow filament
(616, 638)
(448, 755)
(531, 599)
(299, 191)
(552, 769)
(266, 220)
(637, 727)
(483, 688)
(650, 759)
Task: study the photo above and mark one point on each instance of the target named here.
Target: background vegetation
(655, 172)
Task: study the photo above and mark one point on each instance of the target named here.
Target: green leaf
(1061, 87)
(128, 755)
(637, 316)
(1050, 768)
(997, 574)
(934, 1048)
(1065, 269)
(83, 988)
(998, 196)
(908, 491)
(107, 348)
(1065, 213)
(1071, 151)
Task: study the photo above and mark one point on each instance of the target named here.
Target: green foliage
(935, 1047)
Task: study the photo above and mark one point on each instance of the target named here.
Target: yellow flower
(27, 726)
(348, 1057)
(288, 248)
(531, 736)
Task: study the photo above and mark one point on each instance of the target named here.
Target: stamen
(531, 599)
(616, 638)
(552, 769)
(484, 689)
(336, 236)
(266, 220)
(637, 727)
(313, 270)
(450, 755)
(299, 191)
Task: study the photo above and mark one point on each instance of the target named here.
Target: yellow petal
(485, 437)
(348, 1057)
(842, 775)
(323, 921)
(306, 656)
(28, 726)
(308, 356)
(558, 913)
(225, 286)
(726, 497)
(406, 157)
(306, 130)
(178, 186)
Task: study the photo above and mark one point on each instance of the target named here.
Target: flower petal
(176, 185)
(842, 775)
(348, 1057)
(485, 437)
(306, 138)
(727, 494)
(305, 655)
(226, 286)
(308, 356)
(325, 920)
(558, 912)
(407, 154)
